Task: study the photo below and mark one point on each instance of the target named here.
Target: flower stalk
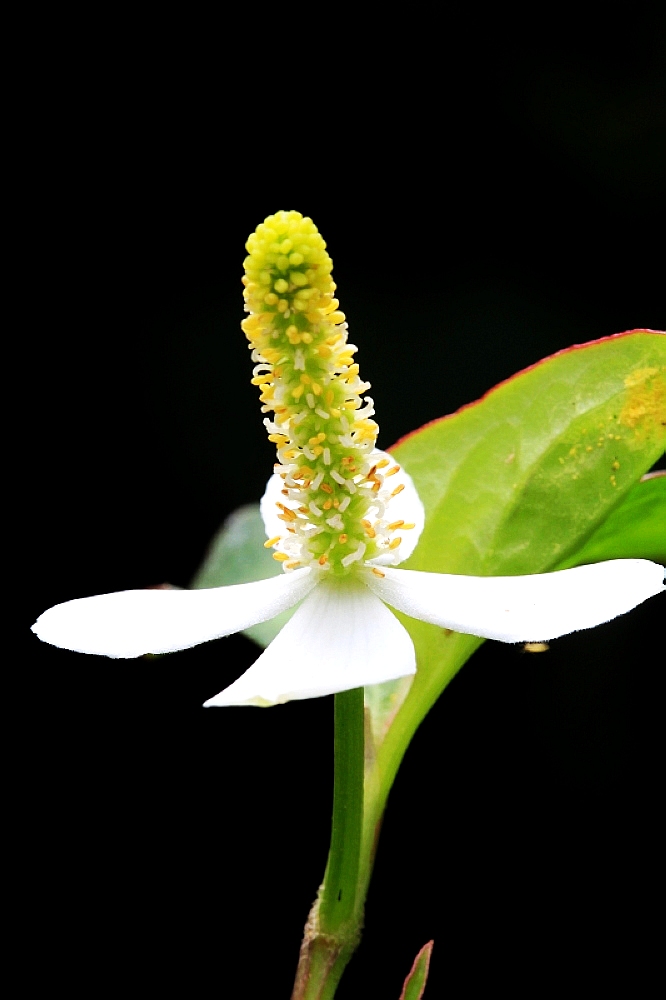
(340, 883)
(333, 929)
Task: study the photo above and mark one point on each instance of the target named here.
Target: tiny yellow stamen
(271, 542)
(377, 572)
(280, 556)
(399, 488)
(395, 524)
(323, 559)
(286, 514)
(326, 488)
(392, 472)
(395, 542)
(343, 539)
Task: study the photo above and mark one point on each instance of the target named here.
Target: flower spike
(333, 490)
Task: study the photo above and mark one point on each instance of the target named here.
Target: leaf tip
(415, 983)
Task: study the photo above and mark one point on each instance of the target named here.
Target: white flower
(340, 516)
(342, 635)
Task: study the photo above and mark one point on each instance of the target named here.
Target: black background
(490, 193)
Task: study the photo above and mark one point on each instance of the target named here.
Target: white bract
(342, 635)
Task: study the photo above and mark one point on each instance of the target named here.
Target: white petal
(133, 622)
(269, 511)
(522, 608)
(342, 637)
(406, 506)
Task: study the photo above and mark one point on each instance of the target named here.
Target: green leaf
(520, 482)
(634, 530)
(236, 553)
(415, 983)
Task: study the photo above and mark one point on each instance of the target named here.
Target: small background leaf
(237, 555)
(415, 983)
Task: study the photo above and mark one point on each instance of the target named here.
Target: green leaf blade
(636, 529)
(520, 481)
(415, 983)
(527, 473)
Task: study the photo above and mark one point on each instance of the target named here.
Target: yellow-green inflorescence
(335, 494)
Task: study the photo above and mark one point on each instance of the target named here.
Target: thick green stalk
(334, 926)
(333, 929)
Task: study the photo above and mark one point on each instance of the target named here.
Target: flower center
(335, 488)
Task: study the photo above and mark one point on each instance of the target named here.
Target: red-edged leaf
(415, 983)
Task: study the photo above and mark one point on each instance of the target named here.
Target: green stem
(339, 895)
(334, 926)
